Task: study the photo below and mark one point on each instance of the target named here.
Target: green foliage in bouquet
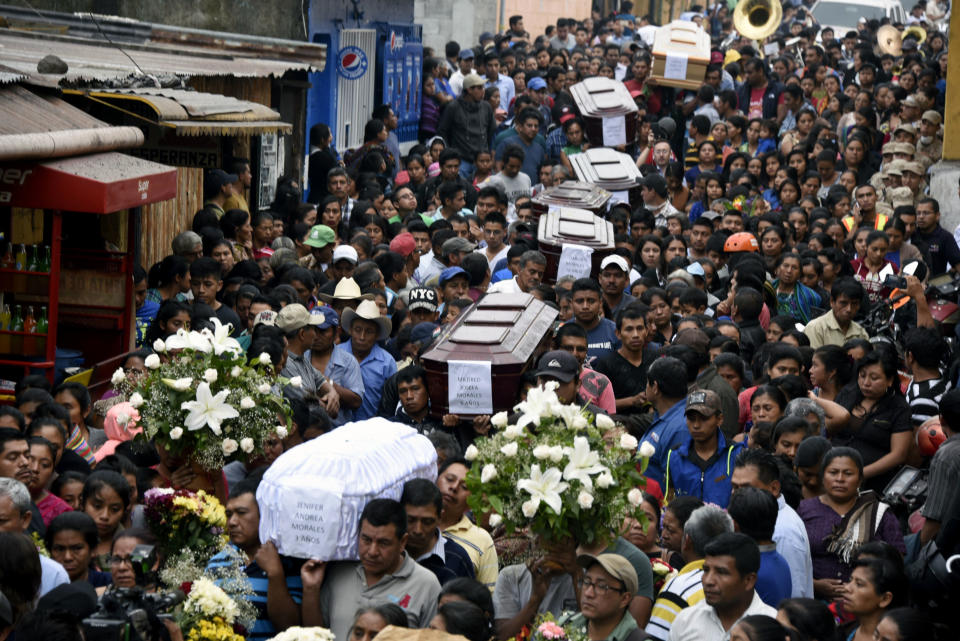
(201, 400)
(559, 471)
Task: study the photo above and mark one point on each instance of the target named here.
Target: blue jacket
(667, 431)
(712, 484)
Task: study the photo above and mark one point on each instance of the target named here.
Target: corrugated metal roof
(24, 112)
(227, 128)
(91, 60)
(198, 105)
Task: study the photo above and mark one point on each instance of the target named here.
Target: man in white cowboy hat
(345, 295)
(366, 327)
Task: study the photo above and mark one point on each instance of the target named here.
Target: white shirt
(790, 535)
(505, 287)
(701, 623)
(493, 261)
(52, 575)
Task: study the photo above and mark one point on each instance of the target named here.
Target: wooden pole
(951, 119)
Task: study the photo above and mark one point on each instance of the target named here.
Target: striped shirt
(683, 591)
(924, 399)
(479, 546)
(78, 444)
(262, 628)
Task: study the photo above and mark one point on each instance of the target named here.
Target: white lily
(569, 414)
(152, 361)
(471, 453)
(648, 449)
(188, 340)
(118, 376)
(208, 410)
(540, 402)
(220, 338)
(179, 384)
(543, 486)
(583, 463)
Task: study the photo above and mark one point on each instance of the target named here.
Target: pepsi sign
(352, 62)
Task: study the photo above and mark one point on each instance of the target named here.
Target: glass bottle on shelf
(29, 322)
(6, 261)
(33, 259)
(47, 260)
(42, 323)
(21, 257)
(5, 317)
(16, 322)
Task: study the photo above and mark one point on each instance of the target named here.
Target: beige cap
(295, 316)
(906, 128)
(932, 117)
(914, 167)
(473, 80)
(910, 101)
(905, 148)
(889, 148)
(900, 196)
(617, 566)
(894, 168)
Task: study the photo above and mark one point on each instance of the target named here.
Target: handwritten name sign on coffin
(470, 388)
(312, 519)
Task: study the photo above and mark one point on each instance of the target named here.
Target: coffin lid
(573, 194)
(607, 168)
(598, 97)
(578, 226)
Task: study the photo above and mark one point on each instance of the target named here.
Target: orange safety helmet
(930, 436)
(742, 241)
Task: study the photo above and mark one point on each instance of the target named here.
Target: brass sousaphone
(757, 19)
(889, 40)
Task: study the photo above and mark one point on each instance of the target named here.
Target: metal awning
(42, 125)
(97, 60)
(190, 113)
(98, 183)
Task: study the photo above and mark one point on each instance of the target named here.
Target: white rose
(176, 433)
(529, 509)
(264, 358)
(579, 422)
(264, 388)
(282, 431)
(152, 361)
(159, 346)
(118, 376)
(136, 400)
(551, 386)
(122, 419)
(605, 480)
(488, 473)
(472, 453)
(296, 382)
(236, 371)
(513, 432)
(499, 419)
(495, 520)
(246, 444)
(541, 452)
(604, 422)
(647, 449)
(510, 449)
(246, 403)
(556, 453)
(628, 442)
(210, 375)
(585, 499)
(229, 446)
(635, 496)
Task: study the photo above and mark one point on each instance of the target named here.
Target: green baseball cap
(320, 236)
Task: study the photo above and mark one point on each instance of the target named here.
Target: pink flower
(551, 630)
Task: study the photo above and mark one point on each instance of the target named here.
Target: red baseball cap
(403, 244)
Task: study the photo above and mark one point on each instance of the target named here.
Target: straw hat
(367, 310)
(347, 289)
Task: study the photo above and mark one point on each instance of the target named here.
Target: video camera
(133, 614)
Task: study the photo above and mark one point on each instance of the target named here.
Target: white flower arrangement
(304, 634)
(208, 600)
(559, 471)
(202, 389)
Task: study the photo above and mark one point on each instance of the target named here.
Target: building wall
(460, 20)
(537, 14)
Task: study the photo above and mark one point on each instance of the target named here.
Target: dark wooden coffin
(576, 226)
(571, 193)
(507, 330)
(612, 170)
(606, 107)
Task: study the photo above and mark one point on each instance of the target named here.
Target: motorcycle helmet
(742, 241)
(930, 436)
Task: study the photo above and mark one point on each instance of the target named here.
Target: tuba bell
(917, 33)
(757, 19)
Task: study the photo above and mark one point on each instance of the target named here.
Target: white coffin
(312, 496)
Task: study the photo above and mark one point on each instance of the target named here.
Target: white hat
(345, 252)
(616, 259)
(367, 310)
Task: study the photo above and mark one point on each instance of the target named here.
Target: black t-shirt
(626, 378)
(942, 249)
(227, 315)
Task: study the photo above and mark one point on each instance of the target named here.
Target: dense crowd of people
(762, 322)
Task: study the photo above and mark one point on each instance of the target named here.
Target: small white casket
(312, 496)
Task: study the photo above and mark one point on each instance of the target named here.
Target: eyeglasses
(120, 560)
(600, 588)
